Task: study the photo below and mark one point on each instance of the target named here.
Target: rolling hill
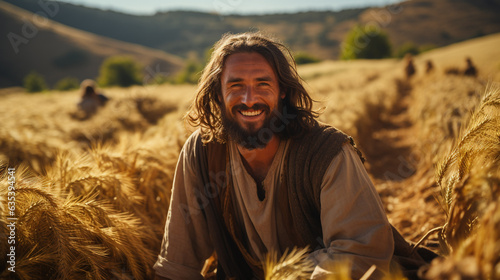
(34, 43)
(57, 49)
(188, 34)
(437, 23)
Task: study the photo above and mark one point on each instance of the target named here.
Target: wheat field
(91, 194)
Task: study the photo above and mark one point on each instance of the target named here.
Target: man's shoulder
(195, 145)
(191, 150)
(193, 142)
(194, 136)
(322, 142)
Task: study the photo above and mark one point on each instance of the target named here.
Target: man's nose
(249, 97)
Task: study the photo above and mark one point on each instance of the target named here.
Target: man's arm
(353, 219)
(186, 243)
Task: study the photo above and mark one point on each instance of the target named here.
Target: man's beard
(253, 137)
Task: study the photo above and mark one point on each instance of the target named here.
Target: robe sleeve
(354, 223)
(186, 244)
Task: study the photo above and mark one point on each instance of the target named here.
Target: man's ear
(282, 95)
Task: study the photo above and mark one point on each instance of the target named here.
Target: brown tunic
(353, 222)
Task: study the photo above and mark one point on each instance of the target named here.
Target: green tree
(68, 83)
(304, 58)
(365, 43)
(120, 71)
(34, 82)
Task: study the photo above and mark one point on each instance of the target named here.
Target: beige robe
(353, 219)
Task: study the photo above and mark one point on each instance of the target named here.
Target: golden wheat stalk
(466, 172)
(75, 237)
(291, 265)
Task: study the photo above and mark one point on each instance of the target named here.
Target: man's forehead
(247, 63)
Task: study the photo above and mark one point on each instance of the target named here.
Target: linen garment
(354, 224)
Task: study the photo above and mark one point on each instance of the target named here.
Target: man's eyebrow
(265, 79)
(234, 80)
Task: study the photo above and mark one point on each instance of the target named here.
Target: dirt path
(387, 142)
(407, 192)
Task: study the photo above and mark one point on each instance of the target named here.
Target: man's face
(250, 93)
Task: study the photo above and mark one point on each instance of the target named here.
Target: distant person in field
(261, 174)
(471, 69)
(410, 67)
(429, 66)
(91, 100)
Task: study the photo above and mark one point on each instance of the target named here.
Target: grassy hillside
(190, 33)
(96, 190)
(437, 23)
(57, 51)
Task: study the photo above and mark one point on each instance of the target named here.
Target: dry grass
(469, 177)
(91, 207)
(425, 116)
(73, 237)
(468, 174)
(296, 265)
(93, 193)
(292, 265)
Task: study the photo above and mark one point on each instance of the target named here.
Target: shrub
(364, 43)
(304, 58)
(34, 82)
(408, 47)
(67, 83)
(120, 71)
(190, 74)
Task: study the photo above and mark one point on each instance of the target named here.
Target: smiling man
(261, 174)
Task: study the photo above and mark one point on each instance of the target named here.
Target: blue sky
(229, 6)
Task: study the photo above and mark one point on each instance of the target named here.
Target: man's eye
(263, 84)
(235, 86)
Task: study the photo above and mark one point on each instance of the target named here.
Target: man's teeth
(251, 113)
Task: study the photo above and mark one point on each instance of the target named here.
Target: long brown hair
(206, 110)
